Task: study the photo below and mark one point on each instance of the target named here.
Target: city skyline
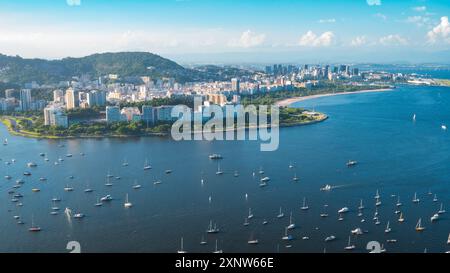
(229, 31)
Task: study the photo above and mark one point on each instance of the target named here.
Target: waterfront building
(71, 99)
(112, 114)
(164, 113)
(25, 99)
(149, 114)
(131, 113)
(54, 115)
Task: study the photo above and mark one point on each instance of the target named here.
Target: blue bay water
(396, 156)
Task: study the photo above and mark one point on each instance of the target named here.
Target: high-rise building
(9, 93)
(149, 114)
(112, 114)
(55, 116)
(58, 96)
(164, 113)
(235, 85)
(71, 99)
(25, 99)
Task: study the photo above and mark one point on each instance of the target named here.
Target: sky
(211, 31)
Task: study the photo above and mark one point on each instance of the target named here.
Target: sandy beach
(287, 102)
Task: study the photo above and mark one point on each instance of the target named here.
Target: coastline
(289, 101)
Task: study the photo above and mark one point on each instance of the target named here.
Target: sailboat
(415, 199)
(377, 195)
(236, 174)
(217, 250)
(378, 202)
(291, 223)
(212, 229)
(33, 227)
(349, 245)
(291, 166)
(127, 203)
(88, 189)
(246, 223)
(399, 204)
(448, 240)
(5, 142)
(414, 117)
(219, 172)
(261, 171)
(444, 127)
(401, 219)
(136, 186)
(252, 241)
(68, 188)
(361, 206)
(280, 214)
(419, 226)
(435, 217)
(125, 163)
(287, 237)
(146, 165)
(99, 203)
(182, 251)
(295, 177)
(441, 210)
(305, 206)
(108, 183)
(435, 199)
(388, 228)
(203, 241)
(250, 214)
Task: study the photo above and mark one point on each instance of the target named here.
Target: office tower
(355, 71)
(9, 93)
(148, 114)
(235, 85)
(25, 99)
(112, 114)
(71, 99)
(55, 116)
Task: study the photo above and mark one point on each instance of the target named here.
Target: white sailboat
(127, 203)
(399, 204)
(219, 171)
(305, 206)
(250, 214)
(401, 219)
(378, 202)
(252, 240)
(33, 227)
(146, 165)
(280, 214)
(441, 210)
(448, 240)
(419, 227)
(136, 186)
(435, 199)
(125, 163)
(349, 245)
(415, 199)
(108, 182)
(88, 189)
(388, 228)
(414, 117)
(377, 195)
(212, 229)
(217, 250)
(435, 217)
(286, 236)
(361, 206)
(295, 177)
(291, 222)
(182, 251)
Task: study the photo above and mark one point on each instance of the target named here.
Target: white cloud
(73, 2)
(313, 40)
(418, 20)
(393, 40)
(248, 39)
(420, 8)
(374, 2)
(330, 21)
(440, 32)
(381, 16)
(359, 41)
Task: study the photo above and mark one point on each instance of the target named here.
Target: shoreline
(289, 101)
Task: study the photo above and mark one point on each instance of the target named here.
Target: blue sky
(246, 30)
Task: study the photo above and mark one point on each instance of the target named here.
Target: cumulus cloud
(313, 40)
(418, 20)
(393, 40)
(358, 41)
(440, 32)
(248, 39)
(420, 8)
(374, 2)
(330, 21)
(73, 2)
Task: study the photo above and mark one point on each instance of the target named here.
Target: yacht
(361, 206)
(305, 206)
(181, 251)
(33, 227)
(157, 182)
(295, 177)
(435, 217)
(27, 173)
(444, 127)
(69, 155)
(250, 214)
(136, 186)
(352, 163)
(215, 156)
(349, 245)
(68, 188)
(31, 164)
(78, 216)
(265, 179)
(219, 172)
(343, 210)
(127, 203)
(217, 251)
(441, 210)
(261, 171)
(286, 236)
(330, 238)
(280, 214)
(125, 163)
(291, 223)
(106, 198)
(8, 177)
(147, 166)
(419, 226)
(401, 219)
(326, 188)
(56, 199)
(265, 222)
(357, 231)
(415, 199)
(42, 179)
(5, 142)
(391, 241)
(399, 204)
(168, 171)
(291, 166)
(212, 229)
(388, 228)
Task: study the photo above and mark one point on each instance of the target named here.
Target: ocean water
(396, 156)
